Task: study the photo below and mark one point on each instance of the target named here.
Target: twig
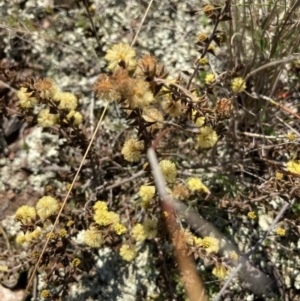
(226, 284)
(136, 175)
(258, 243)
(8, 86)
(85, 2)
(225, 7)
(272, 101)
(277, 218)
(141, 24)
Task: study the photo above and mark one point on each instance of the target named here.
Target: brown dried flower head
(104, 88)
(46, 88)
(224, 108)
(180, 192)
(148, 64)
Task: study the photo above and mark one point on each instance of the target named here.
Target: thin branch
(141, 24)
(225, 7)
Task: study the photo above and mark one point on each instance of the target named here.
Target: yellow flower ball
(169, 170)
(138, 232)
(207, 137)
(46, 119)
(128, 252)
(251, 215)
(25, 99)
(105, 218)
(150, 228)
(25, 214)
(203, 61)
(139, 95)
(132, 150)
(220, 271)
(211, 244)
(202, 37)
(280, 231)
(119, 228)
(294, 166)
(100, 205)
(147, 193)
(67, 101)
(209, 78)
(76, 262)
(238, 85)
(93, 238)
(233, 255)
(174, 109)
(45, 294)
(291, 136)
(195, 184)
(62, 232)
(47, 206)
(20, 239)
(118, 53)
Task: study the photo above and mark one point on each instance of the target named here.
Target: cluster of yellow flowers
(171, 107)
(140, 232)
(127, 85)
(209, 243)
(45, 207)
(279, 175)
(27, 215)
(179, 191)
(93, 236)
(28, 236)
(48, 93)
(209, 78)
(121, 86)
(147, 230)
(103, 217)
(25, 99)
